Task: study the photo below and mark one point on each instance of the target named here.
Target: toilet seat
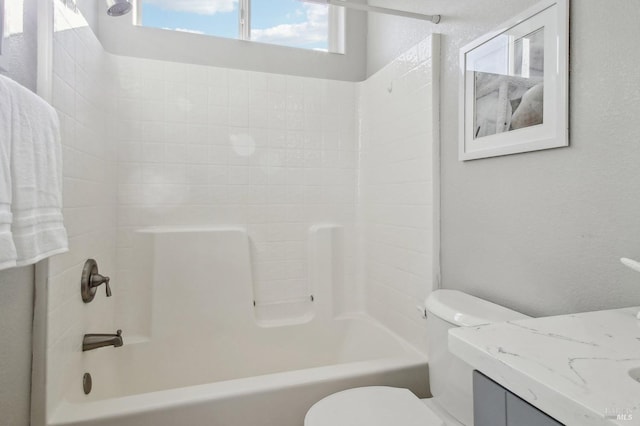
(371, 406)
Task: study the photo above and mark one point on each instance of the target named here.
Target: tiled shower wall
(82, 96)
(205, 146)
(398, 189)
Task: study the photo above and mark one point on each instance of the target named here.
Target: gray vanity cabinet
(489, 402)
(494, 405)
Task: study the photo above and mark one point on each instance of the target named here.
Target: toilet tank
(450, 378)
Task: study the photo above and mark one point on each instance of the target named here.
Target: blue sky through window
(192, 16)
(290, 23)
(284, 22)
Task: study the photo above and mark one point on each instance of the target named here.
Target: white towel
(8, 253)
(35, 176)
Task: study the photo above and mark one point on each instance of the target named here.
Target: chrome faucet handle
(97, 280)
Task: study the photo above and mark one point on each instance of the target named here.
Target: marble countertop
(573, 367)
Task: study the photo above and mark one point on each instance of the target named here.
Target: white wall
(540, 232)
(121, 37)
(19, 62)
(83, 97)
(90, 10)
(399, 188)
(390, 36)
(203, 146)
(462, 21)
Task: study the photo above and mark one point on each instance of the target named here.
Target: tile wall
(205, 146)
(398, 189)
(82, 95)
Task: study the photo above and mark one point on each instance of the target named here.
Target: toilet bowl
(450, 378)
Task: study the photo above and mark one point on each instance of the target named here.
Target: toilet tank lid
(463, 310)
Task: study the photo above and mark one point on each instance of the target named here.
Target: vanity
(494, 405)
(574, 370)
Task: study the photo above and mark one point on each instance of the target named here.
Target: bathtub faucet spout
(95, 341)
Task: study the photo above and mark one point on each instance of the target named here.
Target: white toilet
(450, 378)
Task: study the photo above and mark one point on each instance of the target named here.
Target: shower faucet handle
(97, 280)
(91, 280)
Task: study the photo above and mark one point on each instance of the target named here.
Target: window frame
(336, 37)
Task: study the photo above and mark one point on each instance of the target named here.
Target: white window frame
(244, 19)
(335, 38)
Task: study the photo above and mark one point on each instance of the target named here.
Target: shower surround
(209, 146)
(331, 182)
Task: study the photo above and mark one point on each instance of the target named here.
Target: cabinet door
(489, 402)
(520, 413)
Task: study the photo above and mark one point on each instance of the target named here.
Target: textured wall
(16, 319)
(83, 97)
(398, 183)
(19, 61)
(203, 146)
(541, 232)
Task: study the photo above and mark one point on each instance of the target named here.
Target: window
(210, 17)
(294, 23)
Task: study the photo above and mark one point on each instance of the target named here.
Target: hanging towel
(8, 253)
(35, 176)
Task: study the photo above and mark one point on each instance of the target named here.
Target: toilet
(450, 378)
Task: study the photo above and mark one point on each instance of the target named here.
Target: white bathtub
(271, 377)
(208, 359)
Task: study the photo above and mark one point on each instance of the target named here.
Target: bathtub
(203, 356)
(269, 378)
